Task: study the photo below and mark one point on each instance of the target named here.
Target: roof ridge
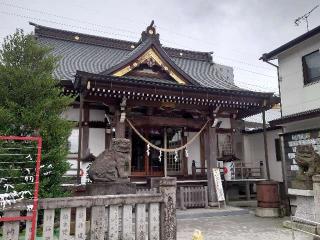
(67, 35)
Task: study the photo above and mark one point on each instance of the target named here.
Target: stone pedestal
(168, 188)
(304, 202)
(111, 188)
(316, 192)
(267, 212)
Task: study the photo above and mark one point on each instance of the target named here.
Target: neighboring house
(167, 94)
(254, 148)
(299, 80)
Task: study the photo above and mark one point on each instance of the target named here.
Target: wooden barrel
(268, 194)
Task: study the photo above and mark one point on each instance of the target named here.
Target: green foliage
(31, 103)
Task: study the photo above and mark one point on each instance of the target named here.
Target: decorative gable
(151, 58)
(149, 52)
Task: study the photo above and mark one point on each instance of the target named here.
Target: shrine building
(177, 100)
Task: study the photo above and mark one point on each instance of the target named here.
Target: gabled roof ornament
(150, 32)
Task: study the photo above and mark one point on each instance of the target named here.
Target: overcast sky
(237, 31)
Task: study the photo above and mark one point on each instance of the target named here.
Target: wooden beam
(145, 121)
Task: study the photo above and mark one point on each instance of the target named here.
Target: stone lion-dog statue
(112, 164)
(308, 160)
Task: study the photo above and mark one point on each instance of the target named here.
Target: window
(311, 67)
(278, 149)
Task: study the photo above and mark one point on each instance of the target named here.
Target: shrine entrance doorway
(149, 162)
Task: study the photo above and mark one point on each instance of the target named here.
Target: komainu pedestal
(109, 171)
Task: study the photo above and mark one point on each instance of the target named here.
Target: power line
(258, 73)
(196, 39)
(258, 86)
(122, 30)
(105, 32)
(63, 17)
(62, 24)
(242, 62)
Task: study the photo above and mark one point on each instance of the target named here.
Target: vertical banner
(218, 184)
(19, 178)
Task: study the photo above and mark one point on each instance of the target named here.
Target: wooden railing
(112, 217)
(193, 197)
(248, 171)
(242, 171)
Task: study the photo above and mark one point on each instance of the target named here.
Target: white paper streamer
(7, 186)
(187, 153)
(148, 150)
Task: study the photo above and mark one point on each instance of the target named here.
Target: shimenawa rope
(166, 149)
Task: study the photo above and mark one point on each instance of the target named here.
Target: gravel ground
(240, 227)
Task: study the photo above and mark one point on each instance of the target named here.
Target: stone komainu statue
(112, 164)
(308, 160)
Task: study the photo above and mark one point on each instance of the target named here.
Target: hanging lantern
(160, 156)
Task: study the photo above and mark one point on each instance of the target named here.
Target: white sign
(218, 184)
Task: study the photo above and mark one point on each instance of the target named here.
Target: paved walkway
(236, 226)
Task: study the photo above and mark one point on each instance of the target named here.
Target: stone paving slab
(239, 227)
(210, 212)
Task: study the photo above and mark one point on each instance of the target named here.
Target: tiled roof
(296, 117)
(97, 56)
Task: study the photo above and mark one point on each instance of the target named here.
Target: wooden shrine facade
(155, 108)
(167, 94)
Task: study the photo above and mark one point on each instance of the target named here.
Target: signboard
(218, 184)
(294, 139)
(20, 168)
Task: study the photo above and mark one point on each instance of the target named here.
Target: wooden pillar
(202, 153)
(185, 160)
(211, 158)
(120, 126)
(80, 139)
(108, 131)
(85, 130)
(265, 144)
(165, 154)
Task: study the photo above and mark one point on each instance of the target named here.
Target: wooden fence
(193, 197)
(112, 217)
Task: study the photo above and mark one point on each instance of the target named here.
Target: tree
(31, 103)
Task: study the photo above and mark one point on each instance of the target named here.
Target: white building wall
(194, 151)
(71, 114)
(302, 125)
(295, 96)
(96, 135)
(254, 152)
(96, 140)
(96, 115)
